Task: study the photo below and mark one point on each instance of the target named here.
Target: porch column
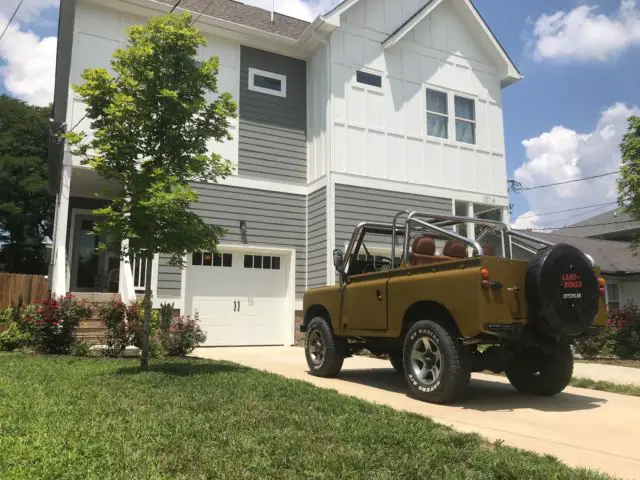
(126, 288)
(471, 227)
(59, 273)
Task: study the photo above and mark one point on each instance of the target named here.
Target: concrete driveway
(581, 427)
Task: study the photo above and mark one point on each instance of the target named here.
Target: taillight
(484, 275)
(602, 283)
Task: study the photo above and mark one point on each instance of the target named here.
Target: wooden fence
(29, 287)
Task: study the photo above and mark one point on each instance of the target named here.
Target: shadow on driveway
(483, 395)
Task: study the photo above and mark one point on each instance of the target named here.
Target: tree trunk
(146, 322)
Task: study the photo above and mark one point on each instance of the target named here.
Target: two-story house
(374, 107)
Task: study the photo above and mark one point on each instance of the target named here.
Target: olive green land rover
(442, 296)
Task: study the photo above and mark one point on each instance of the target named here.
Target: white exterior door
(240, 297)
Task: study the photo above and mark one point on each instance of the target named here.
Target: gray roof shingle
(604, 224)
(612, 257)
(247, 15)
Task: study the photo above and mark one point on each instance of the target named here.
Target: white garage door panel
(240, 306)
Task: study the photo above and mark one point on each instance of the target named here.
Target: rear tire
(542, 374)
(437, 366)
(324, 351)
(397, 361)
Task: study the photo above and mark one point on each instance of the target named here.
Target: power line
(201, 12)
(11, 19)
(517, 186)
(567, 210)
(175, 6)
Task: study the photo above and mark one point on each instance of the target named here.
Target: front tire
(324, 351)
(397, 361)
(542, 374)
(437, 366)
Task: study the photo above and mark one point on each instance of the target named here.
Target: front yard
(68, 418)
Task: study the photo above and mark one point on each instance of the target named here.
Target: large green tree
(151, 121)
(26, 207)
(629, 181)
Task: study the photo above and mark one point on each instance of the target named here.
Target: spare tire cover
(562, 290)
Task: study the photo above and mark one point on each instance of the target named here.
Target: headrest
(454, 249)
(488, 250)
(424, 246)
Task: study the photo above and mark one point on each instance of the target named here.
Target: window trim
(446, 116)
(608, 299)
(263, 73)
(474, 122)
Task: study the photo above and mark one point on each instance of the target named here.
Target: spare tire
(562, 291)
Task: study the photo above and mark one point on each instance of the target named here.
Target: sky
(564, 121)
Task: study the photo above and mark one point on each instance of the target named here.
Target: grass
(613, 361)
(633, 390)
(71, 418)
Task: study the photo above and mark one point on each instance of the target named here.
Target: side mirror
(338, 259)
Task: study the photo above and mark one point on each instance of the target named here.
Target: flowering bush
(121, 322)
(625, 324)
(52, 323)
(12, 338)
(183, 335)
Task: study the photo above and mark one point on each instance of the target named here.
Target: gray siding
(169, 278)
(273, 218)
(359, 204)
(272, 137)
(317, 239)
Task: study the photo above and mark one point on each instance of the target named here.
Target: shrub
(625, 323)
(6, 316)
(80, 349)
(166, 316)
(182, 337)
(590, 348)
(52, 323)
(113, 316)
(13, 338)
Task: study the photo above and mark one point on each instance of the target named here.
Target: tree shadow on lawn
(483, 395)
(186, 368)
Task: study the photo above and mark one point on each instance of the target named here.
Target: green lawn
(633, 390)
(68, 418)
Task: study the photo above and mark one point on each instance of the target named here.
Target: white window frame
(447, 115)
(619, 299)
(474, 121)
(263, 73)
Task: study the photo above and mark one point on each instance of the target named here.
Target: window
(613, 296)
(208, 259)
(264, 262)
(369, 79)
(465, 120)
(437, 114)
(267, 82)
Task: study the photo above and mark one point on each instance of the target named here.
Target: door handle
(379, 295)
(235, 304)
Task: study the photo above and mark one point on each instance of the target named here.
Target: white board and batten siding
(381, 132)
(100, 30)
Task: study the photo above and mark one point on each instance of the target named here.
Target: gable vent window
(465, 120)
(369, 79)
(267, 82)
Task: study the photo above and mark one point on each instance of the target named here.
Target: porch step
(95, 297)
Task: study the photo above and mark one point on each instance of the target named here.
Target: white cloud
(304, 10)
(585, 34)
(526, 221)
(563, 154)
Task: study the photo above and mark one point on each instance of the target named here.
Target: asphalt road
(581, 427)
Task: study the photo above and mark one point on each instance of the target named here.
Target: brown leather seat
(454, 249)
(488, 250)
(423, 252)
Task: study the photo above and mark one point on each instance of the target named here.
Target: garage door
(240, 297)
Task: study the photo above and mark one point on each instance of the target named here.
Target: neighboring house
(612, 225)
(617, 262)
(374, 107)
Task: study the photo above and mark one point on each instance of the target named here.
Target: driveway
(581, 427)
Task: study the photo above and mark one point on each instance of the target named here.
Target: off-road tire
(397, 361)
(542, 374)
(335, 349)
(455, 371)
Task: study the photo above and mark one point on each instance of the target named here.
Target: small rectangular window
(266, 263)
(257, 261)
(207, 259)
(196, 258)
(227, 259)
(465, 120)
(275, 263)
(437, 114)
(267, 82)
(248, 261)
(369, 79)
(217, 260)
(613, 296)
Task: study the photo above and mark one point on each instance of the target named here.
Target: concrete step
(95, 297)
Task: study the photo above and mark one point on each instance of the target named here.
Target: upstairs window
(465, 120)
(437, 114)
(367, 78)
(267, 82)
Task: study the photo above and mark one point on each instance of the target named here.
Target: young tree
(26, 206)
(629, 181)
(151, 125)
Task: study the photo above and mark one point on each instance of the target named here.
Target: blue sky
(563, 121)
